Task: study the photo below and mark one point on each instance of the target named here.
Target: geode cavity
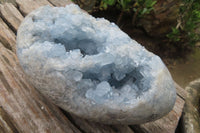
(90, 68)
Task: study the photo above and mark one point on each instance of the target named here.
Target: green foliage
(174, 36)
(125, 4)
(189, 19)
(105, 3)
(122, 4)
(141, 7)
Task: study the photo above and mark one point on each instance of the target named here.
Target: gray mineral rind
(90, 68)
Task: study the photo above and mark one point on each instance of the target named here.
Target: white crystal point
(90, 68)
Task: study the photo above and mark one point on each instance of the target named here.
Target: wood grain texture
(7, 37)
(180, 91)
(19, 100)
(167, 124)
(6, 125)
(60, 2)
(92, 127)
(26, 6)
(11, 15)
(24, 104)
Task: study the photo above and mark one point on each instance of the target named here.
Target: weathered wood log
(9, 1)
(11, 15)
(6, 125)
(180, 91)
(7, 37)
(191, 116)
(167, 124)
(21, 103)
(26, 6)
(60, 2)
(92, 127)
(8, 16)
(27, 109)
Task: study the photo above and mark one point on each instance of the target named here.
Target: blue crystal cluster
(88, 66)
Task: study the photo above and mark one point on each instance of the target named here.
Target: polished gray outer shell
(90, 68)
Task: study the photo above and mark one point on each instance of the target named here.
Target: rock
(191, 119)
(92, 69)
(161, 20)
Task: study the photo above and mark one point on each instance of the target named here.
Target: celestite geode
(90, 68)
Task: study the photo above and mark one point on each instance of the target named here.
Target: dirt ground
(186, 70)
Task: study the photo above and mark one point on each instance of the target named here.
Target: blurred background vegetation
(175, 24)
(168, 28)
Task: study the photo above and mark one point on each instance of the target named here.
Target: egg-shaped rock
(89, 67)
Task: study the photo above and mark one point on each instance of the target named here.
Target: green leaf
(135, 9)
(153, 3)
(149, 3)
(144, 11)
(105, 6)
(125, 4)
(175, 31)
(109, 2)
